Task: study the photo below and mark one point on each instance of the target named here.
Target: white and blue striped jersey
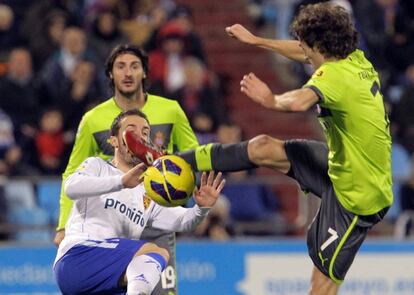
(103, 209)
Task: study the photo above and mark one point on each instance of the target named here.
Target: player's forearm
(285, 103)
(298, 100)
(182, 219)
(79, 185)
(287, 48)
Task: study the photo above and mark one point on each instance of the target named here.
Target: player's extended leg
(266, 151)
(261, 150)
(321, 284)
(144, 271)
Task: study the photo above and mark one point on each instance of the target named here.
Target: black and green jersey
(352, 114)
(170, 130)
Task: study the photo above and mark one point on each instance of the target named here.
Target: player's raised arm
(291, 101)
(210, 188)
(288, 48)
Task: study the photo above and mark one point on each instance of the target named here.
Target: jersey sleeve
(177, 219)
(327, 85)
(84, 147)
(86, 181)
(182, 134)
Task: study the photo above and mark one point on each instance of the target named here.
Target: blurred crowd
(52, 55)
(52, 58)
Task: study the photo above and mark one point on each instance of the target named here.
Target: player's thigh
(166, 240)
(309, 165)
(335, 237)
(95, 267)
(267, 151)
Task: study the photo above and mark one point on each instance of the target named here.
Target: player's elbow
(70, 189)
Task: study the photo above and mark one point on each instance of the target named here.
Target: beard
(129, 94)
(129, 159)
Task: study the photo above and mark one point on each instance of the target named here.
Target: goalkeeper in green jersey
(351, 172)
(127, 70)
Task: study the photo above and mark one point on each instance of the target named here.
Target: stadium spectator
(203, 126)
(105, 35)
(45, 38)
(376, 19)
(145, 19)
(81, 93)
(198, 94)
(8, 37)
(403, 111)
(20, 94)
(217, 225)
(183, 17)
(12, 162)
(50, 143)
(72, 79)
(167, 61)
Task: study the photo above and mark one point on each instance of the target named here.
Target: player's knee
(259, 148)
(268, 152)
(153, 248)
(164, 253)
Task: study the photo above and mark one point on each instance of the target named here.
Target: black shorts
(335, 234)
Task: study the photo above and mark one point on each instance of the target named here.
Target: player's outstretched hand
(257, 90)
(133, 177)
(210, 188)
(241, 33)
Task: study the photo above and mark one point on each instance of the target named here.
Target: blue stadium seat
(250, 202)
(254, 210)
(48, 193)
(19, 193)
(32, 224)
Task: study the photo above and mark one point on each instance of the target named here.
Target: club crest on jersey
(81, 168)
(147, 202)
(159, 139)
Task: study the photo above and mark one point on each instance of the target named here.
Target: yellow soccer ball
(170, 181)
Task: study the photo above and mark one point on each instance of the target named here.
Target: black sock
(219, 157)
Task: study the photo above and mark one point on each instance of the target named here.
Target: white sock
(143, 274)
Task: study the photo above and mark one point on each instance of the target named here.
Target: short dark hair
(116, 124)
(327, 27)
(123, 49)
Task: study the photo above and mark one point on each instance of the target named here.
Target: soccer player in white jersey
(101, 252)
